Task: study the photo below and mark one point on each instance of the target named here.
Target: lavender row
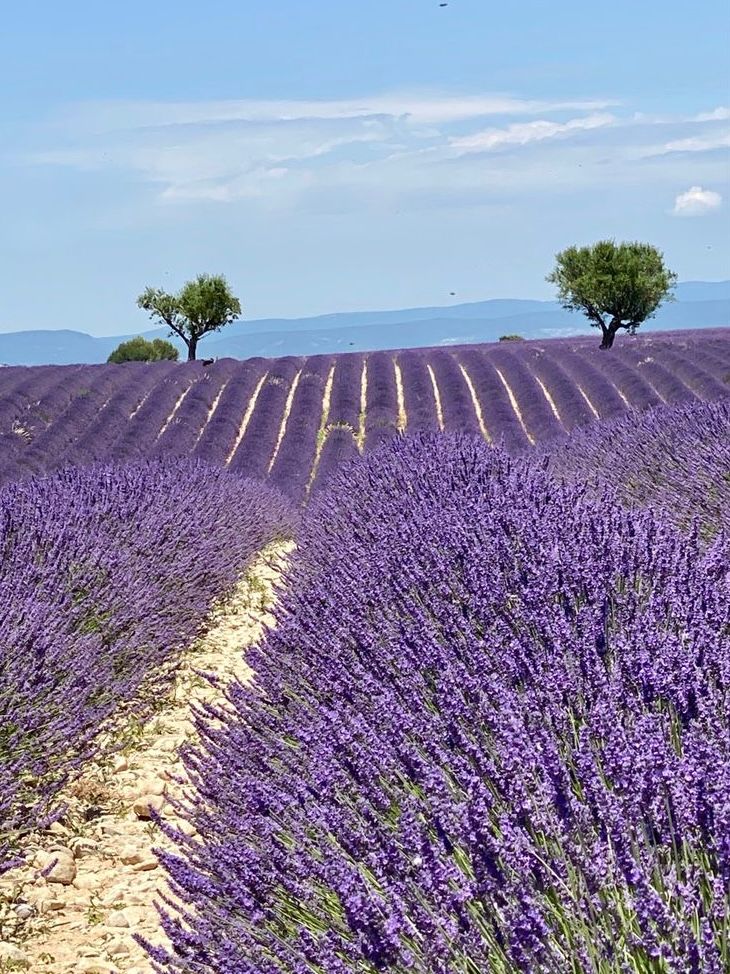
(96, 440)
(346, 390)
(105, 574)
(48, 407)
(141, 432)
(54, 416)
(187, 426)
(220, 436)
(457, 407)
(499, 417)
(539, 419)
(711, 356)
(488, 734)
(420, 402)
(294, 461)
(713, 360)
(10, 397)
(693, 374)
(17, 402)
(676, 458)
(256, 449)
(20, 388)
(629, 381)
(50, 449)
(592, 381)
(567, 401)
(339, 447)
(381, 413)
(669, 386)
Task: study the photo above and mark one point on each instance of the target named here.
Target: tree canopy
(201, 306)
(141, 350)
(614, 285)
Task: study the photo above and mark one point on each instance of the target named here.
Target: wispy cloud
(699, 143)
(521, 133)
(419, 109)
(718, 114)
(696, 201)
(340, 154)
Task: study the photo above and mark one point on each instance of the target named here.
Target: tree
(614, 285)
(201, 306)
(511, 338)
(140, 350)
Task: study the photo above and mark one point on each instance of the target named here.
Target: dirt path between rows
(105, 879)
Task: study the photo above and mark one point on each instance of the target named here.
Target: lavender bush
(673, 458)
(105, 574)
(490, 733)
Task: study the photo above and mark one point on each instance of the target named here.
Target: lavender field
(490, 731)
(105, 574)
(509, 753)
(293, 421)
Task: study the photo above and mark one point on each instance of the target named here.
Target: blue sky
(331, 155)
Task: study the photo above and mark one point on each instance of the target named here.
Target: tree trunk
(609, 333)
(192, 348)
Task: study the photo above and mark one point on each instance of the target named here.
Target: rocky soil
(92, 879)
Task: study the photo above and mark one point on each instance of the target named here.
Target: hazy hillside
(699, 304)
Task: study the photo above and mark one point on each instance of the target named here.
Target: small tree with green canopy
(201, 306)
(614, 285)
(140, 350)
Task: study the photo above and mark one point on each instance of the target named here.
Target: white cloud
(697, 143)
(521, 133)
(417, 108)
(695, 201)
(718, 114)
(700, 143)
(272, 150)
(428, 149)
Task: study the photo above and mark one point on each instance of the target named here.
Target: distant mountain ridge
(699, 304)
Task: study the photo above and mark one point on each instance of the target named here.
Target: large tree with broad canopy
(201, 306)
(614, 285)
